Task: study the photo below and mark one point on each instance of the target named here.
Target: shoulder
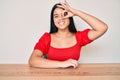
(43, 43)
(82, 36)
(45, 35)
(82, 31)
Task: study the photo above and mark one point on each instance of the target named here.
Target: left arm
(98, 26)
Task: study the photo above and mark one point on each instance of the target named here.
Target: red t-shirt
(62, 54)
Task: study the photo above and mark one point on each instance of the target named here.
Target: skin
(63, 38)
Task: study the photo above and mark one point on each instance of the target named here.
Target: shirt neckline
(65, 47)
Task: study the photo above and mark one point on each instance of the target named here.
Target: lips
(61, 23)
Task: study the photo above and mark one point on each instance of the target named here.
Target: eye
(65, 13)
(56, 16)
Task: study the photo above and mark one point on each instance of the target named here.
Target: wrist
(60, 64)
(76, 12)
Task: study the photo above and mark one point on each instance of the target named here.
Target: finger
(75, 63)
(65, 1)
(63, 4)
(65, 14)
(60, 6)
(74, 66)
(65, 17)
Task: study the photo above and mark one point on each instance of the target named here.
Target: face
(58, 16)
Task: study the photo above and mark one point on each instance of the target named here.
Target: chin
(62, 27)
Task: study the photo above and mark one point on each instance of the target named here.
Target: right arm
(37, 60)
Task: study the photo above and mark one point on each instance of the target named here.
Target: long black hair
(53, 27)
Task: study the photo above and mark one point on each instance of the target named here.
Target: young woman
(62, 45)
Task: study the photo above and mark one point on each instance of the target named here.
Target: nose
(61, 17)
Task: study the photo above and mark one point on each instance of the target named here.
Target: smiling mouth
(61, 23)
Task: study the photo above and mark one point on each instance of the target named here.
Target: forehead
(58, 11)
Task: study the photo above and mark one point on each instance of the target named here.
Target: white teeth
(61, 23)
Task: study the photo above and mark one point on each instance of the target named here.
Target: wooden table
(83, 72)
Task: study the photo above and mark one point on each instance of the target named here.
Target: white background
(22, 22)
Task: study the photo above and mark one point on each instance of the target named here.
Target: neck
(63, 33)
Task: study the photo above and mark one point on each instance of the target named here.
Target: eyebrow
(55, 14)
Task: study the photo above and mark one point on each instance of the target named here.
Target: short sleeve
(82, 37)
(43, 43)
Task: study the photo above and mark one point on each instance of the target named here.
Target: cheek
(67, 22)
(55, 21)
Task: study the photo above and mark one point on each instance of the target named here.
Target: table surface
(83, 72)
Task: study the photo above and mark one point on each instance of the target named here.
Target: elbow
(31, 63)
(105, 27)
(34, 63)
